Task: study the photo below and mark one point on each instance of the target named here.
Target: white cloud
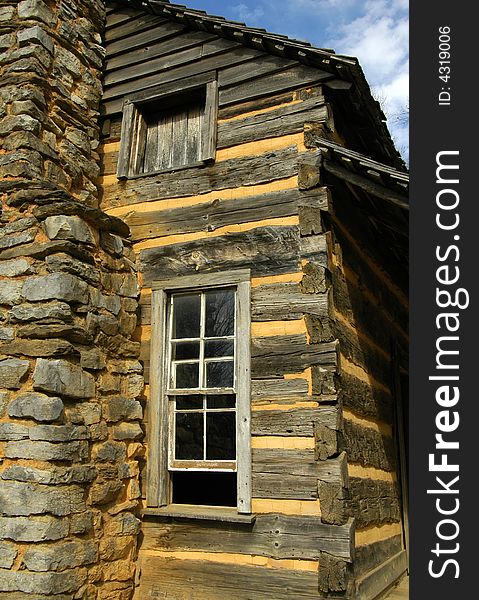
(249, 15)
(379, 38)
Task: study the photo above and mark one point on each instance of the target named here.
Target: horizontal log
(209, 216)
(264, 250)
(278, 355)
(373, 502)
(368, 447)
(273, 535)
(293, 78)
(164, 61)
(365, 399)
(278, 389)
(204, 580)
(292, 474)
(294, 422)
(368, 557)
(360, 351)
(228, 174)
(284, 302)
(243, 108)
(282, 121)
(174, 41)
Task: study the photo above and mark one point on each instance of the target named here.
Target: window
(199, 438)
(169, 127)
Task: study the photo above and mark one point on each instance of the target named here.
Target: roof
(345, 71)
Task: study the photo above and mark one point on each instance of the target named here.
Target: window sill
(195, 165)
(205, 513)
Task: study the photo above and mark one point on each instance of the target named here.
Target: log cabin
(247, 184)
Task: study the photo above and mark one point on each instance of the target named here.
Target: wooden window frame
(158, 473)
(133, 126)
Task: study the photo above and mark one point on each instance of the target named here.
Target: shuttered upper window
(170, 127)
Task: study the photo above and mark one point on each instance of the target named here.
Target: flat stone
(33, 450)
(42, 331)
(111, 243)
(116, 548)
(37, 348)
(24, 499)
(123, 524)
(4, 396)
(127, 431)
(13, 372)
(114, 452)
(135, 385)
(42, 583)
(35, 35)
(33, 529)
(92, 359)
(12, 123)
(52, 476)
(62, 377)
(7, 40)
(6, 13)
(8, 554)
(15, 239)
(10, 292)
(103, 493)
(81, 523)
(58, 433)
(60, 556)
(99, 432)
(86, 413)
(62, 227)
(6, 334)
(119, 408)
(50, 311)
(108, 324)
(56, 286)
(36, 9)
(15, 267)
(12, 431)
(64, 263)
(110, 303)
(36, 406)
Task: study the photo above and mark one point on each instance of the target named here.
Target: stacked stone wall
(70, 418)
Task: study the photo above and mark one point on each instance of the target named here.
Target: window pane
(185, 350)
(220, 313)
(221, 436)
(221, 401)
(187, 375)
(189, 436)
(189, 402)
(186, 316)
(219, 348)
(220, 374)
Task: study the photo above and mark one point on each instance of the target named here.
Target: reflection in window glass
(220, 313)
(221, 436)
(214, 348)
(186, 316)
(189, 436)
(220, 374)
(221, 401)
(185, 350)
(187, 375)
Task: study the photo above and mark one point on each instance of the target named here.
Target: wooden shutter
(210, 123)
(127, 133)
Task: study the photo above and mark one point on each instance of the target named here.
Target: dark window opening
(204, 488)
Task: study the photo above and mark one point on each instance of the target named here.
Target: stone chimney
(70, 421)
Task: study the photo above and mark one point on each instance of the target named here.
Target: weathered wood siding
(368, 315)
(252, 208)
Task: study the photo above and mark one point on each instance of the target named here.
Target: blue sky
(375, 31)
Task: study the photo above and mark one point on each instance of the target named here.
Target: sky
(374, 31)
